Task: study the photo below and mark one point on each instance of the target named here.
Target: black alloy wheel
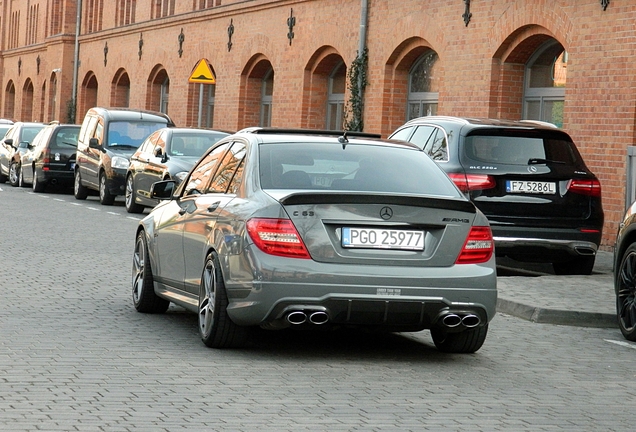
(143, 292)
(625, 285)
(215, 326)
(105, 197)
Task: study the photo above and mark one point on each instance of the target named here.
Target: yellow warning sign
(202, 73)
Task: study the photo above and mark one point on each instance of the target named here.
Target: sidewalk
(587, 301)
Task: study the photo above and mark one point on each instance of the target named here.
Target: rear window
(65, 138)
(354, 167)
(513, 150)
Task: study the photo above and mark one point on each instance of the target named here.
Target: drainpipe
(78, 22)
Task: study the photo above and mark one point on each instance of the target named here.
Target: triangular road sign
(202, 73)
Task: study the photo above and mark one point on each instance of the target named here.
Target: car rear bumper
(544, 245)
(413, 299)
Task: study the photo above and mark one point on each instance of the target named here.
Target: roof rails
(289, 131)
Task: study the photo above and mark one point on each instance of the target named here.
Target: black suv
(528, 178)
(51, 157)
(107, 139)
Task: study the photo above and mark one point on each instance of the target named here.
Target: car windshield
(513, 150)
(130, 133)
(352, 167)
(192, 144)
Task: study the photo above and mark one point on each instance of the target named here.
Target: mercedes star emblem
(386, 213)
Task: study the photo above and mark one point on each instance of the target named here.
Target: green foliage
(354, 108)
(70, 111)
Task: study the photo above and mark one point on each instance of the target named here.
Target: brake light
(479, 246)
(277, 237)
(591, 187)
(469, 182)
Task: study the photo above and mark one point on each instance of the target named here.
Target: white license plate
(382, 238)
(531, 187)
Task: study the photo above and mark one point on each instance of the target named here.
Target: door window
(227, 168)
(204, 170)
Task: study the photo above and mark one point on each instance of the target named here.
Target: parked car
(5, 125)
(167, 154)
(15, 142)
(278, 228)
(107, 139)
(625, 274)
(50, 158)
(528, 178)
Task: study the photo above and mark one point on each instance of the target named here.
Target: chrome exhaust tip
(451, 320)
(471, 320)
(296, 317)
(318, 318)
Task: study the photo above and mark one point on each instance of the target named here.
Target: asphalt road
(75, 355)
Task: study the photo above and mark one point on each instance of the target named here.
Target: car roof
(282, 135)
(130, 114)
(477, 122)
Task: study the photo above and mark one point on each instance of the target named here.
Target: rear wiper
(536, 161)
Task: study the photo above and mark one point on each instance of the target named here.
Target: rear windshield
(356, 167)
(131, 133)
(512, 150)
(65, 138)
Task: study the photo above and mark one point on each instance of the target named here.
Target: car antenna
(343, 140)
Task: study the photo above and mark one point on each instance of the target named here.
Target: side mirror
(160, 154)
(162, 190)
(94, 144)
(9, 141)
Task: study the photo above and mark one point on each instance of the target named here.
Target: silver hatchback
(276, 228)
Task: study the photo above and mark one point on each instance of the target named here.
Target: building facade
(311, 63)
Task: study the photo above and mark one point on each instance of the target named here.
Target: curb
(555, 316)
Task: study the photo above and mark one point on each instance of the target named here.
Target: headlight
(119, 162)
(180, 176)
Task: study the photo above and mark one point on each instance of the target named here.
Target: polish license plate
(530, 187)
(375, 238)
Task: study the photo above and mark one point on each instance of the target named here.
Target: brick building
(285, 63)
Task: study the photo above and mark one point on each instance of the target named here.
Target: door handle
(212, 207)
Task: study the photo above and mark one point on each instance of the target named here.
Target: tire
(21, 182)
(143, 291)
(37, 185)
(582, 265)
(215, 326)
(625, 286)
(105, 197)
(464, 342)
(14, 174)
(131, 205)
(80, 191)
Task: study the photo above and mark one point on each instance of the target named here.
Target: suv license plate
(531, 187)
(382, 238)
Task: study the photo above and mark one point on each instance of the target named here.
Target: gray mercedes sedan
(300, 228)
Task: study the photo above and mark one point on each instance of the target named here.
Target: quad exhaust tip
(300, 317)
(452, 320)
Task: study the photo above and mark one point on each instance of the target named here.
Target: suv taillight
(277, 237)
(479, 246)
(589, 187)
(46, 159)
(469, 182)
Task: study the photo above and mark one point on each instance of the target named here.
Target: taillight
(46, 159)
(469, 182)
(591, 187)
(277, 237)
(479, 246)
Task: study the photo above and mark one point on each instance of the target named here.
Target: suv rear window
(512, 150)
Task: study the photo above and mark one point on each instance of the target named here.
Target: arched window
(336, 97)
(544, 84)
(267, 90)
(165, 91)
(423, 86)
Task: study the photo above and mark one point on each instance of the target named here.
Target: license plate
(531, 187)
(382, 238)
